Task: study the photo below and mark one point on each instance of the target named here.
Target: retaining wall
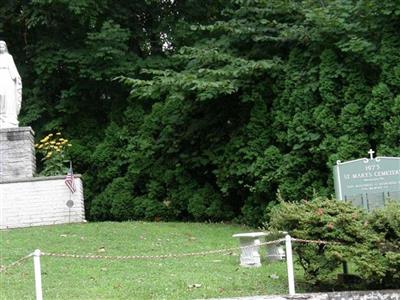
(38, 201)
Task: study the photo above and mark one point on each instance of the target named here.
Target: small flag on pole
(70, 180)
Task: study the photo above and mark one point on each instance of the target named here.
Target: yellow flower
(50, 135)
(58, 150)
(52, 142)
(40, 146)
(58, 143)
(49, 154)
(58, 133)
(69, 145)
(44, 140)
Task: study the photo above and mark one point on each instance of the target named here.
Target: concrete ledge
(42, 178)
(18, 129)
(346, 295)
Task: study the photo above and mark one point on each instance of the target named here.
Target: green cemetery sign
(368, 182)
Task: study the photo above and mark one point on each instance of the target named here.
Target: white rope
(162, 256)
(314, 241)
(18, 262)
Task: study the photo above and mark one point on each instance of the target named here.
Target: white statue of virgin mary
(10, 89)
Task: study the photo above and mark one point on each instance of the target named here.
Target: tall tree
(268, 101)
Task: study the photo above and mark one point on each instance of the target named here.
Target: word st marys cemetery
(368, 182)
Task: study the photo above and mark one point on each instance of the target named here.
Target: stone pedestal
(17, 153)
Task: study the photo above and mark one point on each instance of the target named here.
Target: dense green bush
(369, 241)
(115, 202)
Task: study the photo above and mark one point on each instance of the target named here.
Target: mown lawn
(216, 275)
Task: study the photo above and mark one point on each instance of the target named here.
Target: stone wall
(17, 153)
(39, 201)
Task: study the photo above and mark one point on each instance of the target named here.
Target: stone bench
(250, 245)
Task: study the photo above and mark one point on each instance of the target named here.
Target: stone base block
(17, 153)
(40, 201)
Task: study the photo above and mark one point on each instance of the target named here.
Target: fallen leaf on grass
(63, 235)
(101, 249)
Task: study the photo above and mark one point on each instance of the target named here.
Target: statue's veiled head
(3, 47)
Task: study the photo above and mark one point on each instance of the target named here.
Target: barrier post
(38, 275)
(289, 262)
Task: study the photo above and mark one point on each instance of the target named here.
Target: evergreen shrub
(115, 201)
(370, 242)
(386, 222)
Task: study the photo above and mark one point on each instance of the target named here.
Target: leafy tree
(218, 104)
(275, 94)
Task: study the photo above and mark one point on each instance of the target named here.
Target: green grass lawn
(216, 275)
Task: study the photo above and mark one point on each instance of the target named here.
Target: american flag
(70, 180)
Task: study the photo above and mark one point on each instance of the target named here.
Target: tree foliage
(204, 109)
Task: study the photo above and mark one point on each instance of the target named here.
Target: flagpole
(69, 208)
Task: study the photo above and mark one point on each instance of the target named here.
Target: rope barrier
(18, 262)
(253, 248)
(314, 241)
(162, 256)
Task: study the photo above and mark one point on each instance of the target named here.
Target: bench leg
(249, 253)
(275, 252)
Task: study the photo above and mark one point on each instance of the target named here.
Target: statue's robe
(10, 92)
